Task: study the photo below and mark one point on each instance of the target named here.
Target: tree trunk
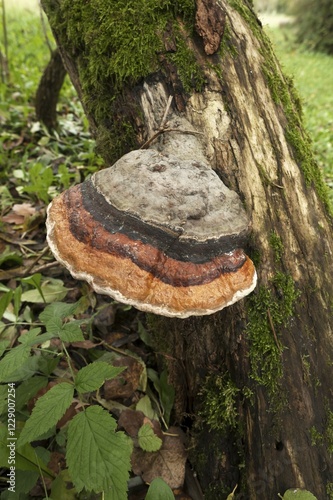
(253, 381)
(49, 87)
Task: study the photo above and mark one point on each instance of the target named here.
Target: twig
(32, 265)
(273, 330)
(163, 129)
(167, 108)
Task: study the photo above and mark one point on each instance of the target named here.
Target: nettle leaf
(58, 310)
(30, 337)
(148, 440)
(48, 411)
(98, 458)
(91, 377)
(27, 389)
(9, 363)
(159, 490)
(71, 332)
(3, 346)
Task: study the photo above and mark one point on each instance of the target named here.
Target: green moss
(116, 44)
(329, 490)
(219, 409)
(227, 46)
(269, 310)
(277, 246)
(284, 93)
(316, 437)
(190, 73)
(329, 431)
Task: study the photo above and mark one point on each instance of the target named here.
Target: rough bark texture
(49, 87)
(255, 379)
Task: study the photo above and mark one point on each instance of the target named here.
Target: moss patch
(284, 93)
(277, 245)
(219, 408)
(267, 312)
(116, 44)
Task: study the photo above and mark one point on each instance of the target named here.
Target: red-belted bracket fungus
(156, 232)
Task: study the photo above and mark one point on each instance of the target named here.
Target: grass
(313, 76)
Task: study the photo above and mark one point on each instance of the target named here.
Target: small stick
(166, 112)
(27, 271)
(273, 330)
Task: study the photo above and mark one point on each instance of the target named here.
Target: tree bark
(254, 380)
(49, 87)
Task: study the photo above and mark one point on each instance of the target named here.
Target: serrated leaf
(148, 440)
(47, 412)
(58, 310)
(53, 325)
(9, 363)
(91, 377)
(29, 337)
(28, 389)
(159, 490)
(98, 458)
(297, 494)
(3, 346)
(71, 332)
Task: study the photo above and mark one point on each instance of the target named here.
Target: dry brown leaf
(167, 463)
(132, 420)
(127, 383)
(19, 213)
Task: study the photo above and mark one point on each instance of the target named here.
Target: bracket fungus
(162, 234)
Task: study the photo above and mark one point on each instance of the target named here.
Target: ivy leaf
(16, 357)
(148, 440)
(48, 411)
(91, 377)
(98, 458)
(159, 490)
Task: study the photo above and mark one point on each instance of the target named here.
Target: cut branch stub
(156, 232)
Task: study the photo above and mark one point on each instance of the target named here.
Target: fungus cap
(156, 232)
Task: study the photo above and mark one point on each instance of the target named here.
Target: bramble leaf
(71, 332)
(148, 440)
(57, 310)
(98, 458)
(159, 490)
(9, 363)
(48, 411)
(91, 377)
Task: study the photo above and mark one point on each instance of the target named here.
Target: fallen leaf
(168, 463)
(19, 213)
(128, 382)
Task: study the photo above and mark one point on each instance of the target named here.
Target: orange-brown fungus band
(155, 267)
